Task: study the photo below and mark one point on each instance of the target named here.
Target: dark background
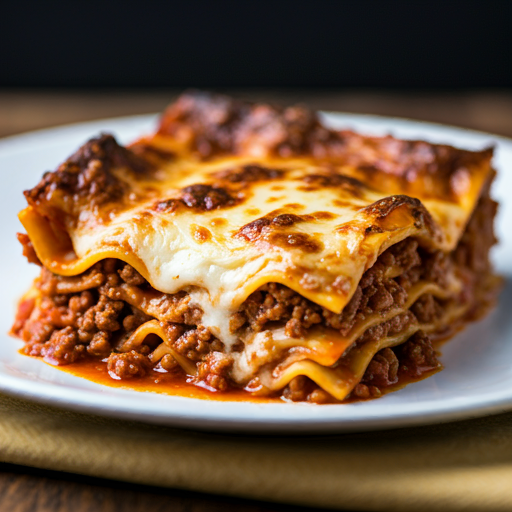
(370, 44)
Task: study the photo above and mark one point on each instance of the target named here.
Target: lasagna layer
(252, 247)
(289, 346)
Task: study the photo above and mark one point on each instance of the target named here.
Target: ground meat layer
(417, 356)
(86, 316)
(376, 293)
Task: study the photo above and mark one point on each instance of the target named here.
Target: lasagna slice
(244, 246)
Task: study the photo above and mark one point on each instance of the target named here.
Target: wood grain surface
(25, 489)
(29, 490)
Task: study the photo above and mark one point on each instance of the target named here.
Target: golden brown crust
(86, 177)
(216, 124)
(322, 210)
(103, 175)
(213, 125)
(383, 209)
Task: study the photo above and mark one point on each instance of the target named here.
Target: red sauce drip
(176, 385)
(156, 382)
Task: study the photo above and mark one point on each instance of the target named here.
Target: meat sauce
(175, 385)
(156, 382)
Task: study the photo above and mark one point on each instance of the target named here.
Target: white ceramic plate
(477, 378)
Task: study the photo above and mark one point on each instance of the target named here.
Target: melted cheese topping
(316, 239)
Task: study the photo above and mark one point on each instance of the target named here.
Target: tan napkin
(465, 465)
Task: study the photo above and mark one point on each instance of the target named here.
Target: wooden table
(25, 489)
